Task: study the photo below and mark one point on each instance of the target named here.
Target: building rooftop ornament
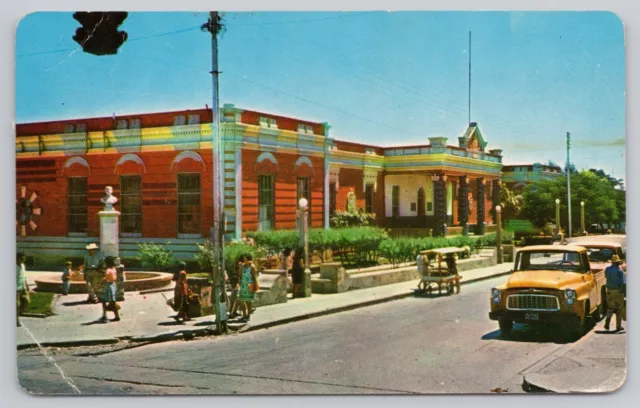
(108, 200)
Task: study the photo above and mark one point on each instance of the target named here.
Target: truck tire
(505, 325)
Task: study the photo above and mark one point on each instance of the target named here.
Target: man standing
(93, 266)
(22, 289)
(615, 293)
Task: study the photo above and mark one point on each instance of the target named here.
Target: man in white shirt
(22, 289)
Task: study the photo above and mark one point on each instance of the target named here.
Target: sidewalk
(148, 318)
(600, 354)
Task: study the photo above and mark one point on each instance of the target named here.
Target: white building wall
(409, 185)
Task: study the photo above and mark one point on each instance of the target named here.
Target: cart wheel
(429, 290)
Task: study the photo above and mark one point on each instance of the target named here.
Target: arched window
(421, 202)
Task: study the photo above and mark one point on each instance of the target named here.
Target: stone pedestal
(109, 233)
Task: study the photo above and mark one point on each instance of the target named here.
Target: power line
(321, 104)
(309, 20)
(184, 30)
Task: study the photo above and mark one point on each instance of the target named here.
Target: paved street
(413, 345)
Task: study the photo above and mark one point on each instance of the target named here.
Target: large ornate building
(160, 167)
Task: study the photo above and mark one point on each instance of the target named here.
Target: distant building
(516, 176)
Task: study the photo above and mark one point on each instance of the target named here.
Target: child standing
(66, 278)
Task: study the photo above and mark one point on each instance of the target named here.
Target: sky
(385, 78)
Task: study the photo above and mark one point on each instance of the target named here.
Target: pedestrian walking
(224, 317)
(22, 289)
(234, 282)
(182, 267)
(297, 271)
(66, 277)
(248, 286)
(181, 298)
(108, 295)
(615, 293)
(93, 266)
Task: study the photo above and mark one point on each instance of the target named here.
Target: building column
(238, 164)
(327, 195)
(440, 204)
(463, 204)
(495, 199)
(480, 206)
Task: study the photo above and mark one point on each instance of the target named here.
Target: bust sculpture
(109, 200)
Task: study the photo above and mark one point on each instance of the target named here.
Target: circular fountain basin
(134, 282)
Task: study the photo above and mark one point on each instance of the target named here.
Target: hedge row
(366, 244)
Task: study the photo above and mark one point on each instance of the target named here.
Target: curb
(345, 308)
(38, 315)
(190, 334)
(96, 342)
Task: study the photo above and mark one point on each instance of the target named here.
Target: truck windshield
(560, 261)
(600, 254)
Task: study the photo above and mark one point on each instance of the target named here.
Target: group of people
(100, 275)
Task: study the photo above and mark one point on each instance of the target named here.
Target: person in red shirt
(109, 300)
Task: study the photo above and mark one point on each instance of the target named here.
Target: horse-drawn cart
(439, 271)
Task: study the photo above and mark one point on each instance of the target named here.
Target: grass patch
(41, 303)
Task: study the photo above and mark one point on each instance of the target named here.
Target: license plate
(531, 316)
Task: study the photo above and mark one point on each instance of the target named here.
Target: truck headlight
(495, 295)
(570, 296)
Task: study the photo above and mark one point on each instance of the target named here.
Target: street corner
(596, 363)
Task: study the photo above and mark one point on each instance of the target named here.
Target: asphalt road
(414, 345)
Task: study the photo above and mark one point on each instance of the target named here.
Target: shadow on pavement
(610, 332)
(77, 303)
(97, 321)
(522, 333)
(171, 323)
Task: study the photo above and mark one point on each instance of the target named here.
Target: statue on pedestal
(109, 200)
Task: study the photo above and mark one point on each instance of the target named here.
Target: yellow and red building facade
(160, 168)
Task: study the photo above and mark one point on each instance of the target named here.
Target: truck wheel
(597, 314)
(505, 325)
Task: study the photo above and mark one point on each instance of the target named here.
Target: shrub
(232, 252)
(345, 219)
(155, 256)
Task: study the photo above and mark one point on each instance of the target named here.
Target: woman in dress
(248, 286)
(109, 301)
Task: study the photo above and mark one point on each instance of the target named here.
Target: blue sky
(376, 77)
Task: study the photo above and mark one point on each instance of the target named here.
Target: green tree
(600, 197)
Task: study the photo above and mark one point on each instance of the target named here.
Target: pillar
(109, 233)
(480, 206)
(463, 205)
(440, 201)
(238, 164)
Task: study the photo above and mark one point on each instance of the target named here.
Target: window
(77, 204)
(304, 190)
(81, 127)
(189, 203)
(268, 122)
(179, 120)
(421, 201)
(368, 198)
(194, 119)
(266, 203)
(121, 124)
(395, 201)
(134, 124)
(70, 128)
(332, 198)
(131, 204)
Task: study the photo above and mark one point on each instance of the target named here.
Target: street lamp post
(557, 216)
(582, 229)
(303, 231)
(499, 232)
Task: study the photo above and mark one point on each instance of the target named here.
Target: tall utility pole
(569, 182)
(469, 77)
(217, 232)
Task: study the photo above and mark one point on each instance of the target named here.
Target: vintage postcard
(410, 202)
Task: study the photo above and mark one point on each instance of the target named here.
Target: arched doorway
(421, 202)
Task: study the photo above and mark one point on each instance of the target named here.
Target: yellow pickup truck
(551, 285)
